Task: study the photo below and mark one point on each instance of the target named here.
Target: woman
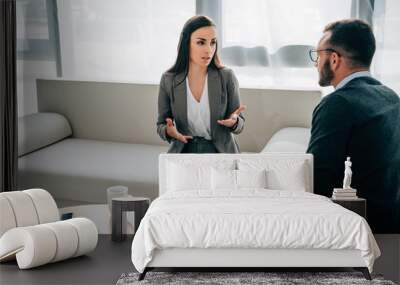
(198, 102)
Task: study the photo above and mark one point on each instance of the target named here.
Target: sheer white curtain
(386, 64)
(35, 51)
(264, 41)
(120, 40)
(278, 23)
(286, 29)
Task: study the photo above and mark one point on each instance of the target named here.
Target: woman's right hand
(173, 132)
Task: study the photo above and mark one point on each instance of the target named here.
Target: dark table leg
(116, 221)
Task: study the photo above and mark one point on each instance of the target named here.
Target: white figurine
(347, 174)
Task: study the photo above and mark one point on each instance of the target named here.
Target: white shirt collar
(352, 76)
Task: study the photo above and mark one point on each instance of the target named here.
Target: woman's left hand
(232, 118)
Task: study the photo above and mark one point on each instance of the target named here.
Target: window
(277, 34)
(120, 40)
(266, 42)
(37, 49)
(275, 24)
(36, 32)
(387, 57)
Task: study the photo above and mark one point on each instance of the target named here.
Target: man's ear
(335, 61)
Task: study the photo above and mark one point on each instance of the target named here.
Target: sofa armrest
(289, 140)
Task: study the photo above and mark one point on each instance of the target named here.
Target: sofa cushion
(38, 130)
(78, 169)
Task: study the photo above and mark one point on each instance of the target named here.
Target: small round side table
(139, 205)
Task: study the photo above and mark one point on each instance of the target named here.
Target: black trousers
(199, 145)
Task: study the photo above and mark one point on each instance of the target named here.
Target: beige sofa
(104, 134)
(71, 168)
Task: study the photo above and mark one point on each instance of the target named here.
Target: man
(360, 119)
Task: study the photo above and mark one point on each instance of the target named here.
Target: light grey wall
(126, 112)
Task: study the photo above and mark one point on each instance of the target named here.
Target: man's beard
(326, 75)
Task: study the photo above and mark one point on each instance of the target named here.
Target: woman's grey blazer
(223, 93)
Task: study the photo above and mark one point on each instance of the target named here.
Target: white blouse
(198, 112)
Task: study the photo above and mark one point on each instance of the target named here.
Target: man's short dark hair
(355, 37)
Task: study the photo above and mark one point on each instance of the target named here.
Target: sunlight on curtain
(120, 40)
(386, 29)
(286, 29)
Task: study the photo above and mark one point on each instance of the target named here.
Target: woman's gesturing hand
(173, 132)
(231, 121)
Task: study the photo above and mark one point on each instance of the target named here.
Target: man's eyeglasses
(313, 53)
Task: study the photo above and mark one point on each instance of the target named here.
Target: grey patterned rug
(230, 278)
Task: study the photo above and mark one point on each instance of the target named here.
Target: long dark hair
(182, 59)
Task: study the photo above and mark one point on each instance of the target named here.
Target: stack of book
(344, 194)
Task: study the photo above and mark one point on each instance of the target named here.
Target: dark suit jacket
(361, 120)
(223, 93)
